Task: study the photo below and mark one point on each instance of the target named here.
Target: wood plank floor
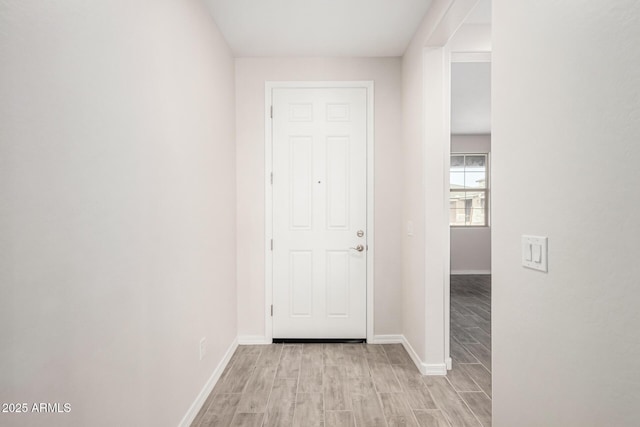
(471, 343)
(361, 384)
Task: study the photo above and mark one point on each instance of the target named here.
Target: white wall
(426, 137)
(471, 143)
(471, 38)
(470, 250)
(416, 314)
(251, 74)
(117, 210)
(471, 246)
(470, 97)
(413, 252)
(566, 91)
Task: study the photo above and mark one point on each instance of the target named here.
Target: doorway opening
(469, 189)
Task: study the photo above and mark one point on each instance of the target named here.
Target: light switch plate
(534, 252)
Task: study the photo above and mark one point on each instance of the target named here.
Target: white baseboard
(435, 369)
(425, 369)
(449, 364)
(208, 387)
(468, 272)
(386, 339)
(253, 340)
(414, 356)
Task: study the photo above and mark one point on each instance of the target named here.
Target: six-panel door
(319, 212)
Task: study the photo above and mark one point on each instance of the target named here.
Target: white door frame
(268, 191)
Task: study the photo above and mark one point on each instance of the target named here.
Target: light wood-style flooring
(361, 384)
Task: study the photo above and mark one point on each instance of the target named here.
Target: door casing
(268, 169)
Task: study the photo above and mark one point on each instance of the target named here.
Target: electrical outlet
(203, 347)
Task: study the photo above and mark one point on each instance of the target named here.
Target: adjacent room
(470, 221)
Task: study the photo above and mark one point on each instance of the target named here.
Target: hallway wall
(566, 121)
(425, 232)
(413, 200)
(251, 74)
(117, 208)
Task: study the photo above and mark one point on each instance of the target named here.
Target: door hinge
(271, 178)
(271, 113)
(271, 244)
(271, 310)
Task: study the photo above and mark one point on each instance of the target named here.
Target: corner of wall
(208, 387)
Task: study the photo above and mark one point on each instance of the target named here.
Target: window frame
(485, 190)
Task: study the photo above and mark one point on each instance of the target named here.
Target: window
(469, 190)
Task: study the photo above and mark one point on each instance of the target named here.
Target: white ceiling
(471, 98)
(318, 27)
(353, 28)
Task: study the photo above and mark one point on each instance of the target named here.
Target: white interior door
(319, 212)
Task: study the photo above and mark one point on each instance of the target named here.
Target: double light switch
(534, 252)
